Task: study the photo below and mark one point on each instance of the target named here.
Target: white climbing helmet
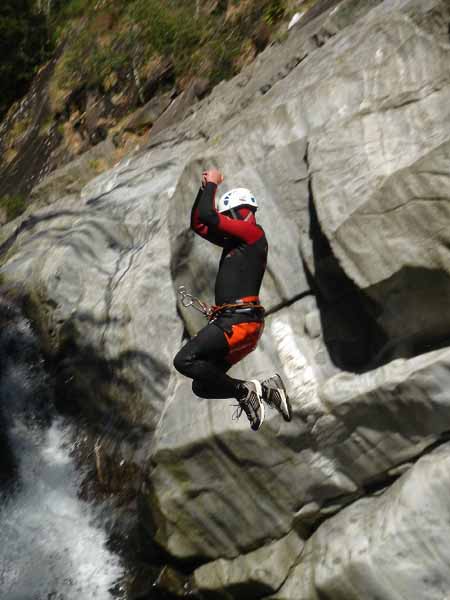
(235, 198)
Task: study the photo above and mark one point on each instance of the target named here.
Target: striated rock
(231, 490)
(115, 236)
(254, 575)
(181, 104)
(379, 183)
(342, 135)
(149, 113)
(383, 547)
(364, 448)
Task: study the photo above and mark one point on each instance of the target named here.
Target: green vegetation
(64, 10)
(23, 46)
(20, 127)
(105, 38)
(13, 206)
(119, 35)
(274, 11)
(98, 165)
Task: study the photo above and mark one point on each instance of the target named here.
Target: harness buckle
(213, 312)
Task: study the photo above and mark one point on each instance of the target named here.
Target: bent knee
(179, 362)
(198, 388)
(183, 362)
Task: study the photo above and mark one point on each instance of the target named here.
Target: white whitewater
(52, 545)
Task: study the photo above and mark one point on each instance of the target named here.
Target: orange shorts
(242, 340)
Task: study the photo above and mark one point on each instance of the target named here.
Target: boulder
(376, 168)
(219, 490)
(253, 575)
(383, 547)
(145, 116)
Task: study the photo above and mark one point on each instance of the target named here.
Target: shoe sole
(258, 387)
(286, 411)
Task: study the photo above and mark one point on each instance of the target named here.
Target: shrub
(136, 31)
(72, 8)
(274, 11)
(14, 206)
(167, 28)
(88, 62)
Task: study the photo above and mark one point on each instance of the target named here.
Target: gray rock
(345, 433)
(380, 182)
(387, 547)
(348, 153)
(180, 106)
(253, 575)
(149, 113)
(102, 262)
(70, 179)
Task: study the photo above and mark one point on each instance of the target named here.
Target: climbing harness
(212, 312)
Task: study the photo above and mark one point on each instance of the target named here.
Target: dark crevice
(350, 331)
(383, 481)
(289, 302)
(362, 332)
(373, 487)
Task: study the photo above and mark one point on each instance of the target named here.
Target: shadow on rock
(8, 464)
(31, 222)
(350, 329)
(404, 316)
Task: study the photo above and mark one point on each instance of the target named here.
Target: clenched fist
(212, 176)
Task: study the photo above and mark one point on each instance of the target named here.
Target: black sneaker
(252, 404)
(274, 393)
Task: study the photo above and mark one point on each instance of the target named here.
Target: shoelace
(238, 410)
(250, 402)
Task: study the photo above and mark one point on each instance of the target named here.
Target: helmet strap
(236, 214)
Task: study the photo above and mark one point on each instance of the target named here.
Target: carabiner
(188, 300)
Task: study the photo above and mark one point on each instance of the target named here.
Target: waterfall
(53, 545)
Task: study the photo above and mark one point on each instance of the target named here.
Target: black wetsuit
(208, 355)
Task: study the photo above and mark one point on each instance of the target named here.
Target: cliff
(341, 132)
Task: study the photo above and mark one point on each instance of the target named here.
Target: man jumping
(238, 318)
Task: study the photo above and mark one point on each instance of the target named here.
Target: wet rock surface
(347, 149)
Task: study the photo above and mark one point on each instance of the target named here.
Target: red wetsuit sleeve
(196, 224)
(222, 226)
(245, 231)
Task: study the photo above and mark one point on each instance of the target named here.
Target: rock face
(341, 131)
(383, 547)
